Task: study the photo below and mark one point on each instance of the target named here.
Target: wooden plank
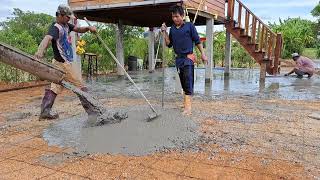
(240, 15)
(277, 53)
(210, 5)
(230, 9)
(218, 3)
(259, 33)
(103, 1)
(247, 23)
(270, 46)
(261, 38)
(266, 40)
(210, 8)
(254, 29)
(194, 4)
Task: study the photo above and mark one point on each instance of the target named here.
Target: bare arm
(43, 46)
(203, 54)
(200, 48)
(166, 37)
(292, 71)
(85, 29)
(165, 33)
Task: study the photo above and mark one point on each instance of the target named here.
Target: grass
(310, 53)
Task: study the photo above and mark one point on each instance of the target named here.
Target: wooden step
(238, 28)
(256, 45)
(258, 51)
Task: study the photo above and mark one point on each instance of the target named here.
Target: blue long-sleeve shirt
(182, 39)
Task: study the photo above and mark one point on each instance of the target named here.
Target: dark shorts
(186, 75)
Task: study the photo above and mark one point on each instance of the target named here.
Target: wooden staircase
(256, 37)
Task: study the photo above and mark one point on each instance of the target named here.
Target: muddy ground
(241, 136)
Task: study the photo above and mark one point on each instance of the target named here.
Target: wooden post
(254, 30)
(261, 43)
(231, 9)
(119, 46)
(240, 15)
(247, 21)
(151, 50)
(263, 71)
(209, 50)
(227, 60)
(277, 54)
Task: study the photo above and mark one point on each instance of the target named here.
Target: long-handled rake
(150, 117)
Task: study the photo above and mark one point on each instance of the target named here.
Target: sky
(267, 10)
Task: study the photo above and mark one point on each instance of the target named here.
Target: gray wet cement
(136, 136)
(241, 82)
(99, 115)
(133, 136)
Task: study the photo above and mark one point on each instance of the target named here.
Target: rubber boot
(87, 106)
(46, 105)
(187, 109)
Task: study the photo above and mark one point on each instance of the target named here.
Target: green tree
(24, 31)
(316, 13)
(134, 44)
(297, 34)
(27, 25)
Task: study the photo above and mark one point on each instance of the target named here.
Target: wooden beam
(74, 7)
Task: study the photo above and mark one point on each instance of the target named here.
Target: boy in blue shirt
(181, 37)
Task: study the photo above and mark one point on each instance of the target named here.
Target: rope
(195, 17)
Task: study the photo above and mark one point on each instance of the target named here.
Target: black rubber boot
(46, 106)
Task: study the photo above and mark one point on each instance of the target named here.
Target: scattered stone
(315, 116)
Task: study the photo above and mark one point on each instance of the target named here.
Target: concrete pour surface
(133, 136)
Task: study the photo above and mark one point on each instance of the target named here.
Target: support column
(209, 50)
(226, 85)
(263, 70)
(119, 47)
(227, 60)
(151, 57)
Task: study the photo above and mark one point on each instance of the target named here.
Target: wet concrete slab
(241, 82)
(133, 136)
(136, 136)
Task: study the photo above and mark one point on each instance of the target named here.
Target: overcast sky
(267, 10)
